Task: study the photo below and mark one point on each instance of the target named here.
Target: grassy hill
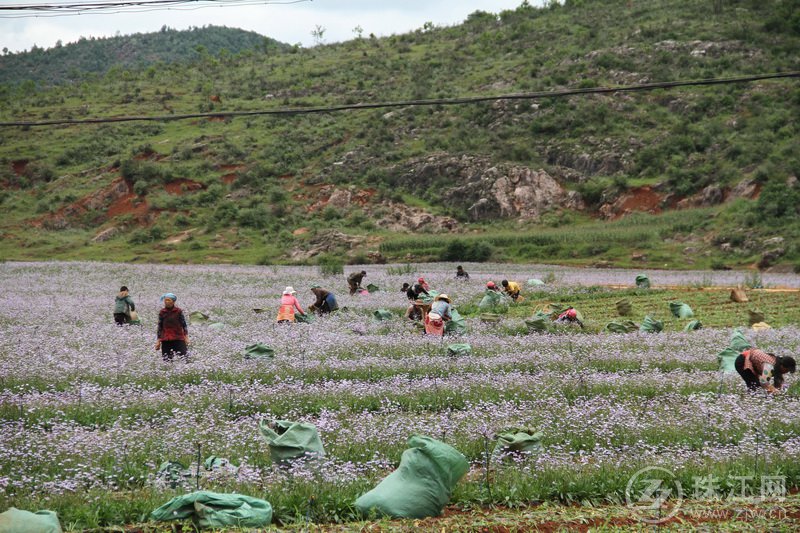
(714, 168)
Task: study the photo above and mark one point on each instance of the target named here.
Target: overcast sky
(289, 23)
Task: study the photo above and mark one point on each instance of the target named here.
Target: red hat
(490, 284)
(421, 280)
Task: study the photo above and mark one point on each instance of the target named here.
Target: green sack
(680, 310)
(428, 298)
(305, 318)
(537, 323)
(694, 325)
(258, 351)
(459, 349)
(382, 314)
(212, 462)
(373, 288)
(726, 359)
(212, 509)
(555, 309)
(490, 317)
(754, 316)
(291, 440)
(624, 307)
(18, 521)
(491, 300)
(173, 473)
(422, 484)
(642, 282)
(533, 282)
(196, 317)
(524, 440)
(456, 324)
(738, 341)
(621, 326)
(651, 325)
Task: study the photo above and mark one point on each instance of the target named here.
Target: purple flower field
(86, 406)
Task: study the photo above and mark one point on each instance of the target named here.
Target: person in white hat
(441, 306)
(288, 306)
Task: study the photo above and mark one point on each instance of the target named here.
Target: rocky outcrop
(326, 242)
(400, 217)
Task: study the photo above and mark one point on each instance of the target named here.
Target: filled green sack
(694, 325)
(216, 510)
(621, 326)
(651, 325)
(173, 472)
(212, 462)
(680, 310)
(624, 307)
(642, 281)
(533, 282)
(459, 349)
(291, 440)
(258, 351)
(422, 484)
(372, 288)
(511, 440)
(726, 359)
(491, 300)
(382, 314)
(18, 521)
(738, 341)
(754, 316)
(196, 317)
(537, 323)
(456, 324)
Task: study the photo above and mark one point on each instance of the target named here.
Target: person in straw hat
(289, 305)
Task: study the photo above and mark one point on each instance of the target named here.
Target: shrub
(330, 266)
(475, 251)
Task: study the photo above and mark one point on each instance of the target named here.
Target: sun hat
(169, 295)
(421, 280)
(490, 284)
(289, 290)
(443, 297)
(315, 286)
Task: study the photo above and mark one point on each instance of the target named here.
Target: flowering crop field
(88, 411)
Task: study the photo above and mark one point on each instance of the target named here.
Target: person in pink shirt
(289, 305)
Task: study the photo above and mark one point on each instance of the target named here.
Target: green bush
(474, 251)
(330, 266)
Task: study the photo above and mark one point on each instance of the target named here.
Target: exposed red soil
(227, 179)
(216, 119)
(181, 186)
(640, 199)
(19, 166)
(126, 206)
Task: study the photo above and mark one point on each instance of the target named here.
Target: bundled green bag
(212, 509)
(727, 357)
(533, 282)
(291, 440)
(422, 484)
(651, 325)
(754, 316)
(624, 307)
(212, 462)
(258, 351)
(456, 324)
(738, 341)
(680, 310)
(428, 298)
(18, 521)
(536, 323)
(517, 440)
(491, 300)
(694, 325)
(642, 281)
(173, 473)
(459, 349)
(382, 314)
(372, 288)
(623, 326)
(196, 317)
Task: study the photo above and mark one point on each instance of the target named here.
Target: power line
(129, 6)
(411, 103)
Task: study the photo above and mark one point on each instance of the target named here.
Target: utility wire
(129, 6)
(412, 103)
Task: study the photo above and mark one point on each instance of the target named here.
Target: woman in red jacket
(173, 334)
(289, 305)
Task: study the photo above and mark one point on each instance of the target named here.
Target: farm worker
(123, 305)
(405, 287)
(569, 316)
(354, 280)
(424, 284)
(441, 306)
(288, 306)
(492, 287)
(173, 334)
(434, 324)
(511, 288)
(416, 310)
(414, 292)
(461, 273)
(325, 302)
(757, 367)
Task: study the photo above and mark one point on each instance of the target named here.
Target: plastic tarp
(258, 351)
(512, 440)
(422, 484)
(624, 307)
(428, 299)
(459, 349)
(172, 473)
(533, 282)
(216, 510)
(456, 324)
(727, 357)
(492, 300)
(651, 325)
(373, 288)
(291, 440)
(754, 316)
(539, 321)
(621, 326)
(382, 314)
(18, 521)
(213, 462)
(680, 310)
(642, 281)
(694, 325)
(196, 317)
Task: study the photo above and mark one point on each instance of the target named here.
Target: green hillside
(549, 179)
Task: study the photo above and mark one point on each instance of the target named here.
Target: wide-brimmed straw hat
(289, 290)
